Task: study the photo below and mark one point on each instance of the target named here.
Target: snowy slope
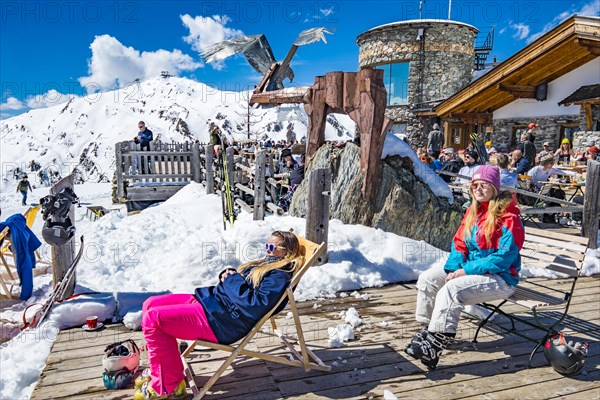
(81, 133)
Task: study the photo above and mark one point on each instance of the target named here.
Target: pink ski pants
(165, 319)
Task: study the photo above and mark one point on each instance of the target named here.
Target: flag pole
(449, 8)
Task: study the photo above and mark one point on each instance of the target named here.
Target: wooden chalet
(525, 75)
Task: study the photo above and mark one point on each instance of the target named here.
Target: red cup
(91, 322)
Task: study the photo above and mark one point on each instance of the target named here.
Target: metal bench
(558, 252)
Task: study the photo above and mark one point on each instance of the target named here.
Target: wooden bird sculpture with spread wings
(258, 52)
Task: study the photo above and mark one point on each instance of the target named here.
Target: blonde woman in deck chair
(224, 314)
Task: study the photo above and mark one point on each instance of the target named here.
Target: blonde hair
(497, 206)
(292, 255)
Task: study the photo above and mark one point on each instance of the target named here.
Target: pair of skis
(227, 198)
(56, 296)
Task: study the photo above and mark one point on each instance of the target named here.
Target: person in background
(564, 153)
(507, 178)
(528, 149)
(144, 136)
(519, 165)
(532, 131)
(471, 165)
(435, 141)
(436, 165)
(452, 163)
(541, 173)
(23, 186)
(489, 148)
(545, 151)
(483, 266)
(592, 153)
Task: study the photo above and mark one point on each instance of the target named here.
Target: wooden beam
(518, 91)
(475, 116)
(284, 96)
(588, 116)
(542, 50)
(261, 85)
(591, 203)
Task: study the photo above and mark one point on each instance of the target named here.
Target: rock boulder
(404, 204)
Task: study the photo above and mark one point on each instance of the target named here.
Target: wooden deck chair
(303, 358)
(6, 253)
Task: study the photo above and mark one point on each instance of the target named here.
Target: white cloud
(521, 31)
(205, 31)
(112, 61)
(50, 98)
(5, 116)
(590, 9)
(12, 103)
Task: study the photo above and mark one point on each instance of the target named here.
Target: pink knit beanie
(488, 173)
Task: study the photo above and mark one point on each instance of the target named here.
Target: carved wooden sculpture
(362, 96)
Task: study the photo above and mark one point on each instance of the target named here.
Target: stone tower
(424, 61)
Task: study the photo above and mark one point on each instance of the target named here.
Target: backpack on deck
(557, 193)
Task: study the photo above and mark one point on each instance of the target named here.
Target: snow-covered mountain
(82, 133)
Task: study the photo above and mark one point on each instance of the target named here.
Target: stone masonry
(442, 69)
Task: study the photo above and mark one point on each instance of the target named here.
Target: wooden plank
(317, 218)
(119, 171)
(62, 256)
(561, 243)
(208, 165)
(591, 205)
(372, 363)
(159, 193)
(259, 187)
(151, 177)
(540, 247)
(556, 235)
(195, 163)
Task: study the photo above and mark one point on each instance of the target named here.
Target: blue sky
(50, 50)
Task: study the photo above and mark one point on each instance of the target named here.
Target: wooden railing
(247, 177)
(156, 173)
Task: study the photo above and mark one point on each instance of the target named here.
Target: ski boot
(427, 347)
(147, 393)
(143, 378)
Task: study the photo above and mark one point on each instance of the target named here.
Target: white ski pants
(440, 303)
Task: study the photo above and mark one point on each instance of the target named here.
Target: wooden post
(591, 203)
(259, 186)
(317, 217)
(62, 256)
(317, 117)
(119, 171)
(195, 161)
(210, 176)
(230, 167)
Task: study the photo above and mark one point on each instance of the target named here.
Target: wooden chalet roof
(571, 44)
(585, 94)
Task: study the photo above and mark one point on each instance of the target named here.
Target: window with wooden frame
(567, 130)
(517, 131)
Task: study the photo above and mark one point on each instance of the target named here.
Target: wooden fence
(157, 173)
(255, 192)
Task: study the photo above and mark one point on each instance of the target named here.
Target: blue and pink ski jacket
(500, 256)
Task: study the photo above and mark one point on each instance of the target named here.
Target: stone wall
(448, 59)
(403, 204)
(548, 131)
(448, 55)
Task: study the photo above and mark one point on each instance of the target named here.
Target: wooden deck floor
(494, 368)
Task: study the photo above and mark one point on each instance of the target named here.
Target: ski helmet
(121, 355)
(58, 233)
(565, 358)
(117, 379)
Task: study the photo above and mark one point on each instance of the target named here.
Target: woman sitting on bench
(224, 314)
(483, 265)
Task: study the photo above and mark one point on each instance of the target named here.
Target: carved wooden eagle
(258, 52)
